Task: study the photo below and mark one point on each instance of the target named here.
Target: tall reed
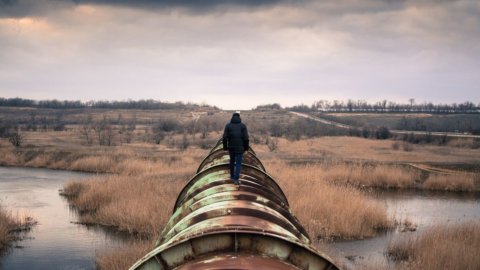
(328, 210)
(448, 247)
(11, 224)
(450, 182)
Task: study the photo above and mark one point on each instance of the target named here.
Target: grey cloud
(23, 8)
(284, 49)
(187, 3)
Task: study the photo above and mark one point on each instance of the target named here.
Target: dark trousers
(235, 165)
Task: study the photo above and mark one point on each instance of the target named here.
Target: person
(235, 140)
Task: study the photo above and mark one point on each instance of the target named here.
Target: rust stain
(218, 225)
(237, 262)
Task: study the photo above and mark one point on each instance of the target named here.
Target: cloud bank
(238, 54)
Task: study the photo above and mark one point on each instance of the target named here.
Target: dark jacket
(235, 136)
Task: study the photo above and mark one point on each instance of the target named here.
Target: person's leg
(238, 166)
(232, 165)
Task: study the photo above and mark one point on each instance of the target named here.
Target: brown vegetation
(122, 258)
(10, 225)
(450, 182)
(451, 247)
(328, 210)
(354, 148)
(366, 175)
(138, 200)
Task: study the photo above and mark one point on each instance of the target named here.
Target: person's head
(236, 117)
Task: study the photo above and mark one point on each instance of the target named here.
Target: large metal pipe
(218, 225)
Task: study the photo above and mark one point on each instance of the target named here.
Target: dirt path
(321, 120)
(431, 169)
(394, 132)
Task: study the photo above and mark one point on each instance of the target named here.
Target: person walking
(235, 140)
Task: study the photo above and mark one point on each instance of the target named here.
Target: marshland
(373, 200)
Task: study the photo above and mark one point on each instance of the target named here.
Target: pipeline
(218, 225)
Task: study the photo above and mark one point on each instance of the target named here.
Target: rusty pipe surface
(218, 225)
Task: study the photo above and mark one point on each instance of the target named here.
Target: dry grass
(450, 182)
(129, 159)
(142, 203)
(465, 143)
(123, 258)
(329, 211)
(7, 154)
(7, 225)
(405, 224)
(138, 200)
(353, 148)
(366, 175)
(451, 247)
(95, 164)
(10, 225)
(345, 148)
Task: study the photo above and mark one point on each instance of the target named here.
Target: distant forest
(349, 106)
(147, 104)
(384, 106)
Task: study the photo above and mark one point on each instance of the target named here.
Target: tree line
(145, 104)
(384, 106)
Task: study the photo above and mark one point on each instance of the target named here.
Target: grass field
(411, 121)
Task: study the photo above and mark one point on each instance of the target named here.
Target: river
(423, 208)
(56, 242)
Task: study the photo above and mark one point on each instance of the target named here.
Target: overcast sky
(241, 53)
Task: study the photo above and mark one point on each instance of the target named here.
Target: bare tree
(104, 131)
(132, 123)
(109, 135)
(86, 130)
(184, 143)
(126, 135)
(158, 136)
(15, 137)
(272, 144)
(412, 101)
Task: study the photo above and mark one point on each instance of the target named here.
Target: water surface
(56, 242)
(425, 209)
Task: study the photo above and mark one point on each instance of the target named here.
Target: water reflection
(56, 242)
(428, 208)
(423, 208)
